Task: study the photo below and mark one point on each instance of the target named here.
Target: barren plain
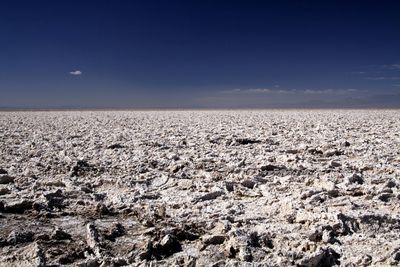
(200, 188)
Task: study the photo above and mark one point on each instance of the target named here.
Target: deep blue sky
(199, 53)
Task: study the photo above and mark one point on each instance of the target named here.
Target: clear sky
(199, 54)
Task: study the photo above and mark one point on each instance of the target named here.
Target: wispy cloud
(357, 72)
(380, 72)
(391, 67)
(251, 91)
(76, 72)
(332, 91)
(382, 78)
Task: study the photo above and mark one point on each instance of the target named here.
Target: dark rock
(43, 237)
(168, 245)
(248, 183)
(115, 146)
(20, 237)
(335, 164)
(55, 200)
(186, 234)
(332, 152)
(254, 239)
(3, 171)
(230, 186)
(99, 196)
(315, 151)
(396, 255)
(346, 144)
(213, 239)
(6, 179)
(324, 257)
(86, 189)
(348, 225)
(59, 234)
(3, 242)
(385, 197)
(210, 196)
(380, 221)
(355, 178)
(315, 236)
(246, 141)
(4, 191)
(82, 168)
(89, 263)
(117, 231)
(390, 184)
(270, 167)
(19, 206)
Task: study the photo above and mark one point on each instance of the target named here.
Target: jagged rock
(28, 256)
(93, 239)
(194, 195)
(322, 257)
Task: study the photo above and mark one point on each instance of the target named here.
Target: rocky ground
(200, 188)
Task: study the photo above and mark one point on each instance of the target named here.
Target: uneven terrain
(200, 188)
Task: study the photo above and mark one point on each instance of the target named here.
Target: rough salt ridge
(200, 188)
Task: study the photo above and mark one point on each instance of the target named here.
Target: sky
(199, 54)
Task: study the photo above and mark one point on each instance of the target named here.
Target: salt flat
(200, 188)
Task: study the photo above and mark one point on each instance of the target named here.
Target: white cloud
(76, 72)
